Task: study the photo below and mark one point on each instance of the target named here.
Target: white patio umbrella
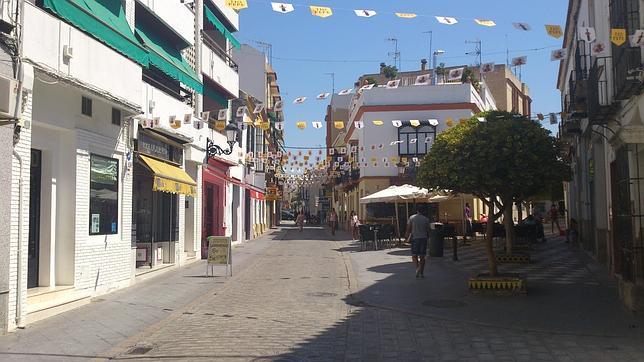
(395, 194)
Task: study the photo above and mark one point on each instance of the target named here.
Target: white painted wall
(252, 70)
(176, 15)
(385, 134)
(229, 13)
(44, 38)
(217, 69)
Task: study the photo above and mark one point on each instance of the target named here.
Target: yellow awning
(169, 178)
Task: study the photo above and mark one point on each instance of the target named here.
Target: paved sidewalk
(92, 330)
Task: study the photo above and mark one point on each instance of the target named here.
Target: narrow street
(297, 296)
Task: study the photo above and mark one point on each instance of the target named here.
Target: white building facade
(107, 174)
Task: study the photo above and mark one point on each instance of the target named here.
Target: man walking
(417, 234)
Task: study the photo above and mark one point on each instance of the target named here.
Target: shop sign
(220, 252)
(156, 148)
(256, 195)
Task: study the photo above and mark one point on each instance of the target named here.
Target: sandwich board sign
(219, 253)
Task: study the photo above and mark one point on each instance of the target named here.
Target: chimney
(382, 67)
(423, 64)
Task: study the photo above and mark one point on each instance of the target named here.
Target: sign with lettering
(618, 36)
(220, 252)
(156, 148)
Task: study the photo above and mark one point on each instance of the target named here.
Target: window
(86, 106)
(423, 135)
(103, 195)
(155, 214)
(116, 117)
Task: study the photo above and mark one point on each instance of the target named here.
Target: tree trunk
(509, 229)
(489, 248)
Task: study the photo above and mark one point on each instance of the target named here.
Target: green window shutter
(212, 19)
(104, 20)
(215, 96)
(167, 58)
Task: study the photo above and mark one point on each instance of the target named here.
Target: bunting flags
(282, 7)
(279, 126)
(237, 4)
(366, 87)
(365, 13)
(393, 84)
(338, 124)
(301, 124)
(406, 15)
(220, 125)
(558, 54)
(378, 122)
(637, 39)
(586, 34)
(618, 36)
(446, 20)
(519, 61)
(414, 122)
(278, 106)
(485, 22)
(396, 123)
(322, 96)
(240, 113)
(358, 124)
(344, 92)
(205, 115)
(455, 74)
(258, 109)
(522, 26)
(187, 118)
(316, 125)
(299, 100)
(175, 122)
(197, 124)
(422, 79)
(321, 11)
(487, 68)
(554, 31)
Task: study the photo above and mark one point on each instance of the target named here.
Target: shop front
(160, 188)
(215, 200)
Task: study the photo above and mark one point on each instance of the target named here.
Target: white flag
(205, 115)
(518, 61)
(344, 92)
(278, 106)
(156, 122)
(240, 113)
(485, 22)
(558, 54)
(586, 34)
(323, 96)
(553, 118)
(282, 7)
(413, 140)
(396, 123)
(299, 100)
(455, 74)
(446, 20)
(422, 80)
(637, 39)
(487, 68)
(316, 125)
(258, 109)
(393, 143)
(359, 124)
(522, 26)
(187, 118)
(366, 87)
(221, 115)
(597, 49)
(393, 84)
(197, 124)
(365, 13)
(146, 123)
(279, 126)
(428, 139)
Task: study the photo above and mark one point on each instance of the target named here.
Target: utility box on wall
(8, 98)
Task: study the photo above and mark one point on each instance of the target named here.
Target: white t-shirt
(356, 221)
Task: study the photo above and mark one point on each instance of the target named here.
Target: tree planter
(503, 284)
(515, 258)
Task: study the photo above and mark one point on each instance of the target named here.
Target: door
(208, 215)
(247, 220)
(33, 250)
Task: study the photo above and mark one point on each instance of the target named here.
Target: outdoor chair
(366, 235)
(386, 233)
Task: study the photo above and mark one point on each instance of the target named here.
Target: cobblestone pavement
(300, 299)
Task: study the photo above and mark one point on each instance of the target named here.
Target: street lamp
(436, 53)
(231, 137)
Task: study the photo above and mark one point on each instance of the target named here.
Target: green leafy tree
(440, 71)
(506, 158)
(371, 80)
(390, 71)
(470, 77)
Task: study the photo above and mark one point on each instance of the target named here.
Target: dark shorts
(419, 246)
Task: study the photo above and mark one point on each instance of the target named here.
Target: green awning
(167, 58)
(212, 18)
(102, 19)
(215, 96)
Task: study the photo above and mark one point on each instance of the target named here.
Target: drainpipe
(19, 321)
(198, 65)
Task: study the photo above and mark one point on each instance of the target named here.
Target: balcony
(601, 104)
(575, 102)
(628, 69)
(219, 66)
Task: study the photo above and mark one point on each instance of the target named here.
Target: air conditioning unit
(8, 93)
(68, 52)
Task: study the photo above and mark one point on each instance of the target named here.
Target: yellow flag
(339, 124)
(378, 122)
(265, 126)
(321, 11)
(406, 15)
(485, 22)
(554, 31)
(618, 36)
(220, 125)
(301, 124)
(237, 4)
(414, 122)
(449, 121)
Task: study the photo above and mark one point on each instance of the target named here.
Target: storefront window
(103, 198)
(155, 214)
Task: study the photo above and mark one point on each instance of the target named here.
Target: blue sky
(305, 47)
